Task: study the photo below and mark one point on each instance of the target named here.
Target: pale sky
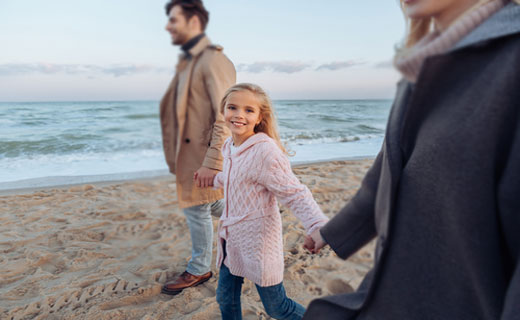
(69, 50)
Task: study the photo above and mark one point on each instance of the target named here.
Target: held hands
(204, 177)
(314, 242)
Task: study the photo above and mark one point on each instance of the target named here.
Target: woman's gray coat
(443, 195)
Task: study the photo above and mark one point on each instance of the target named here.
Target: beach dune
(103, 251)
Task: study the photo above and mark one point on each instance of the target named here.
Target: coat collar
(251, 141)
(192, 42)
(503, 23)
(197, 49)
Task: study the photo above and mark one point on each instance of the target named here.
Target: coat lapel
(184, 72)
(392, 165)
(168, 123)
(394, 128)
(181, 98)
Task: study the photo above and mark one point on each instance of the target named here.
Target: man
(193, 131)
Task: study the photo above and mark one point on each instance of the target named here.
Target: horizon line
(158, 100)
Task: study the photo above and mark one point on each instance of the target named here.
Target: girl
(256, 170)
(442, 197)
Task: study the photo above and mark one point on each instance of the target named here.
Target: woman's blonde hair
(267, 123)
(416, 29)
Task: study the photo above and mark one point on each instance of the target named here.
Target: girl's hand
(308, 243)
(204, 177)
(314, 242)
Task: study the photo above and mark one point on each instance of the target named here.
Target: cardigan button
(187, 140)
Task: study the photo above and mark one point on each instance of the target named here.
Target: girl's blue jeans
(275, 301)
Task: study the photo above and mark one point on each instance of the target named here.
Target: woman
(443, 195)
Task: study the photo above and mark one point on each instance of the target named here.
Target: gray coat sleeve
(354, 225)
(508, 194)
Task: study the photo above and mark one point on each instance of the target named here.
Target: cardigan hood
(251, 141)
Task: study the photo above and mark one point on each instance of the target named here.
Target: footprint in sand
(79, 298)
(338, 285)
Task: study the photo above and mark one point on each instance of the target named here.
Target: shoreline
(25, 186)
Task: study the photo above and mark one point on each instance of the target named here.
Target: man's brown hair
(191, 8)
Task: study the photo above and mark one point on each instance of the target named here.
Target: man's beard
(180, 39)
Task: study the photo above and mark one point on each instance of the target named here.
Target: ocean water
(43, 141)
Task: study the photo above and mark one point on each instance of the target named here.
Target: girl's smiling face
(242, 114)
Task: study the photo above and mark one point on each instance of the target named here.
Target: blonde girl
(442, 197)
(256, 173)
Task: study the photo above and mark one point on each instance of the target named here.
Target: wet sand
(103, 250)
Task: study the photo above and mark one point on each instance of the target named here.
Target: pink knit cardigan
(251, 224)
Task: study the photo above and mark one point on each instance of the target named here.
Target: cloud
(123, 70)
(337, 65)
(117, 70)
(274, 66)
(384, 64)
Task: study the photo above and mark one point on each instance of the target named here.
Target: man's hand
(204, 177)
(314, 242)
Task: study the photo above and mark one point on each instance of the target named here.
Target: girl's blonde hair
(267, 123)
(418, 28)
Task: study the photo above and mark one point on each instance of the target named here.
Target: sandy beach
(103, 251)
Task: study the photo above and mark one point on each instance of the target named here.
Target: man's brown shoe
(185, 280)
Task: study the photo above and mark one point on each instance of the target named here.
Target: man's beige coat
(193, 128)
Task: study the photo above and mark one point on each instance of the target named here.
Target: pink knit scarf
(436, 42)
